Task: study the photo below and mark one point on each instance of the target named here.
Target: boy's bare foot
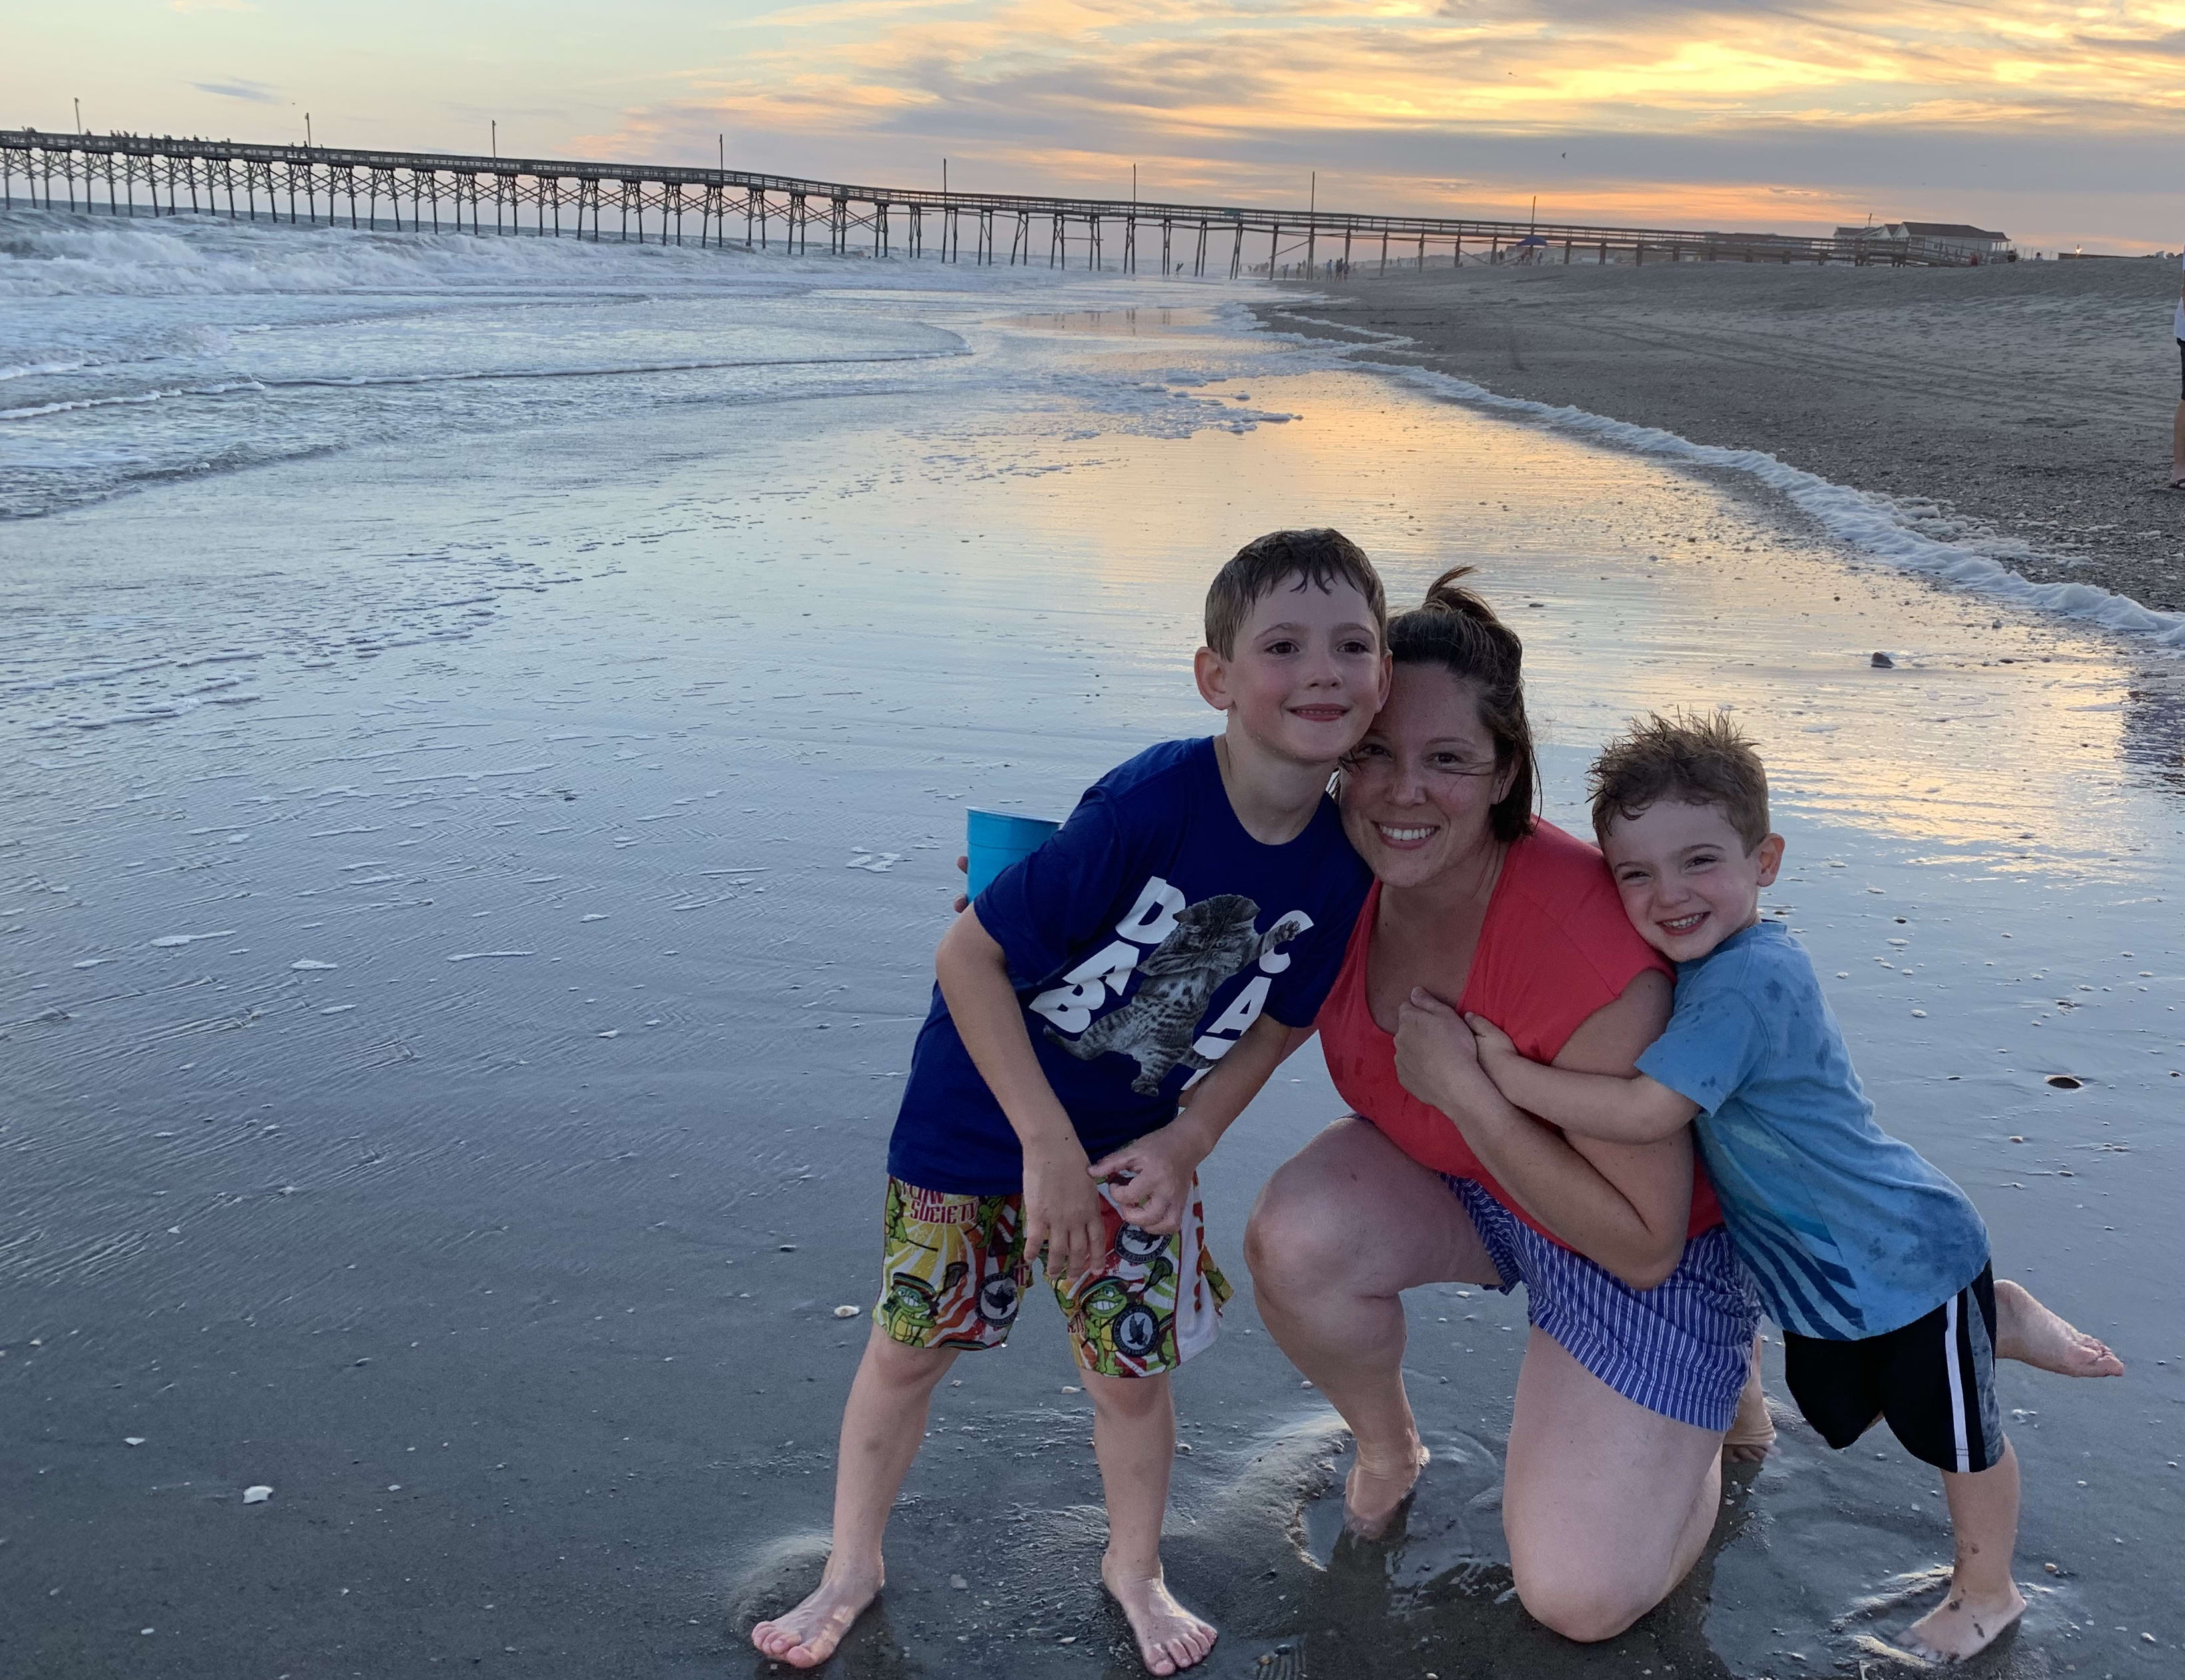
(1170, 1638)
(1371, 1496)
(2027, 1331)
(1753, 1431)
(808, 1635)
(1959, 1626)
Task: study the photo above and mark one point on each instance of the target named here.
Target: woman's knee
(1590, 1570)
(1295, 1243)
(1580, 1606)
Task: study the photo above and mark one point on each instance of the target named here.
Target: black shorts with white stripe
(1934, 1381)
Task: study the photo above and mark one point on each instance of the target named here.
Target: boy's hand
(1062, 1211)
(963, 899)
(1494, 1045)
(1437, 1056)
(1149, 1180)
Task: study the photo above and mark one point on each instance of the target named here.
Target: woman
(1641, 1325)
(2177, 420)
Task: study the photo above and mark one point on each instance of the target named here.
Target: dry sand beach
(2033, 398)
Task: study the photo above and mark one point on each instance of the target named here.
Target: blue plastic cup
(994, 840)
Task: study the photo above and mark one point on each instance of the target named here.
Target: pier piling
(164, 176)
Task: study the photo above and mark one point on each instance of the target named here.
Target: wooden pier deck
(142, 175)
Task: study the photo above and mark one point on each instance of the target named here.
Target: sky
(2061, 124)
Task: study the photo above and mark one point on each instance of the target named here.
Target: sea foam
(1912, 533)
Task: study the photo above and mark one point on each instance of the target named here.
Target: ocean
(487, 726)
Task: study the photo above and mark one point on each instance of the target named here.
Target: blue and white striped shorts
(1682, 1348)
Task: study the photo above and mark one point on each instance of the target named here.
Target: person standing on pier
(2177, 420)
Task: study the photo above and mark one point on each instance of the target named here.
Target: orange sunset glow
(2055, 122)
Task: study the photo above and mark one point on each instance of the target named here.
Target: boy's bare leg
(2027, 1331)
(882, 1426)
(1134, 1436)
(1983, 1599)
(1753, 1431)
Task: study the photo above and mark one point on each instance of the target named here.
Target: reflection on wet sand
(2154, 737)
(467, 1071)
(1128, 323)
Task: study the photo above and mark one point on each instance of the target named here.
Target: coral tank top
(1555, 947)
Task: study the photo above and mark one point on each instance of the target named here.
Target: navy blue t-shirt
(1143, 940)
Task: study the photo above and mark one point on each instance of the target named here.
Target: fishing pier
(138, 175)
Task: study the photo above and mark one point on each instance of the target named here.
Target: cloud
(1131, 72)
(256, 91)
(1677, 112)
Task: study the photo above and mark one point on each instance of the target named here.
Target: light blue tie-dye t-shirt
(1848, 1232)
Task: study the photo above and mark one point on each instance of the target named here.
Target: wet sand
(2034, 398)
(452, 1091)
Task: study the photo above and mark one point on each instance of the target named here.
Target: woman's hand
(1149, 1178)
(1437, 1058)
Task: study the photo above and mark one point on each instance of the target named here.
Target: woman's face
(1417, 790)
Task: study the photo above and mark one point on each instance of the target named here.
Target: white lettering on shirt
(1241, 1012)
(1072, 1005)
(1086, 989)
(1153, 917)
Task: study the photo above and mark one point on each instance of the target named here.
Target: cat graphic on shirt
(1212, 941)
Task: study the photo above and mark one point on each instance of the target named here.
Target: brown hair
(1320, 557)
(1692, 761)
(1455, 629)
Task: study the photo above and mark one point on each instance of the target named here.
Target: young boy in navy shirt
(1193, 910)
(1872, 1261)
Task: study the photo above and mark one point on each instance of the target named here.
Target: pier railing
(140, 175)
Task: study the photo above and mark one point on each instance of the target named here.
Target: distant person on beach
(1873, 1262)
(1214, 873)
(2177, 420)
(1639, 1357)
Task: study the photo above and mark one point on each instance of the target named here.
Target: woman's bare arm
(1655, 1178)
(1624, 1206)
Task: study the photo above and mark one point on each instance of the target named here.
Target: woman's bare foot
(1960, 1627)
(1371, 1496)
(2027, 1331)
(808, 1635)
(1170, 1638)
(1753, 1431)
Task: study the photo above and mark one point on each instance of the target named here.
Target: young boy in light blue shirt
(1872, 1261)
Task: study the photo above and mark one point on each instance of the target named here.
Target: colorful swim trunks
(956, 1271)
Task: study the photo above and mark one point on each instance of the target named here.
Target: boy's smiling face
(1307, 674)
(1688, 882)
